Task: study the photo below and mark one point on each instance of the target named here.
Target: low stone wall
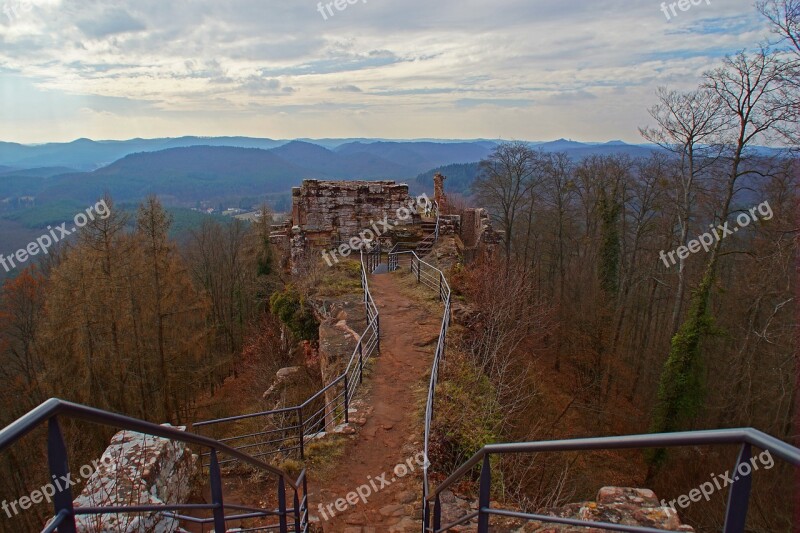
(138, 469)
(449, 225)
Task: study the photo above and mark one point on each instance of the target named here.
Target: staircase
(425, 246)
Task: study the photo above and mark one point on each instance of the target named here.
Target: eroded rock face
(138, 469)
(285, 377)
(337, 340)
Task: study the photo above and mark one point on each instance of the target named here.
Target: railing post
(437, 514)
(484, 501)
(297, 511)
(419, 267)
(301, 425)
(360, 362)
(739, 496)
(284, 526)
(216, 492)
(346, 401)
(440, 285)
(305, 497)
(378, 332)
(59, 468)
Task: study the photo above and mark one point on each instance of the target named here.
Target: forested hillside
(126, 320)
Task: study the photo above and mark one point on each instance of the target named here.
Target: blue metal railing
(289, 429)
(63, 521)
(738, 498)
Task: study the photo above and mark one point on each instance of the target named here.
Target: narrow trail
(392, 434)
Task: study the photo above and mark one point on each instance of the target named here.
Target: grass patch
(322, 456)
(341, 279)
(427, 298)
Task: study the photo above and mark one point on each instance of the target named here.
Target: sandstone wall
(326, 210)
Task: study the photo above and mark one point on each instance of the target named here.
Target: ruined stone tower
(438, 192)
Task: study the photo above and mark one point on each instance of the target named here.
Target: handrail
(56, 407)
(53, 409)
(737, 503)
(438, 221)
(352, 376)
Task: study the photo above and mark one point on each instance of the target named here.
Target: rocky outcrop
(138, 469)
(285, 377)
(446, 253)
(614, 505)
(337, 340)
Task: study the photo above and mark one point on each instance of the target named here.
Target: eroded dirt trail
(392, 434)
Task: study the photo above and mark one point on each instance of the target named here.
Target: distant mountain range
(187, 170)
(88, 155)
(187, 175)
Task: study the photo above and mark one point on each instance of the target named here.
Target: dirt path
(392, 435)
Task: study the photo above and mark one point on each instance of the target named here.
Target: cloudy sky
(512, 69)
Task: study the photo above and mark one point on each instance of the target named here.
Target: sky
(458, 69)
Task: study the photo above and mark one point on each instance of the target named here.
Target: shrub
(292, 309)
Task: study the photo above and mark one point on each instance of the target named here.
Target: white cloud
(455, 68)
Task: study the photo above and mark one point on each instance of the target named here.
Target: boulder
(138, 469)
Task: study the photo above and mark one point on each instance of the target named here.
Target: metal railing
(434, 279)
(373, 257)
(287, 430)
(63, 521)
(438, 223)
(738, 497)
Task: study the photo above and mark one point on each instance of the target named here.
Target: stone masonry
(326, 211)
